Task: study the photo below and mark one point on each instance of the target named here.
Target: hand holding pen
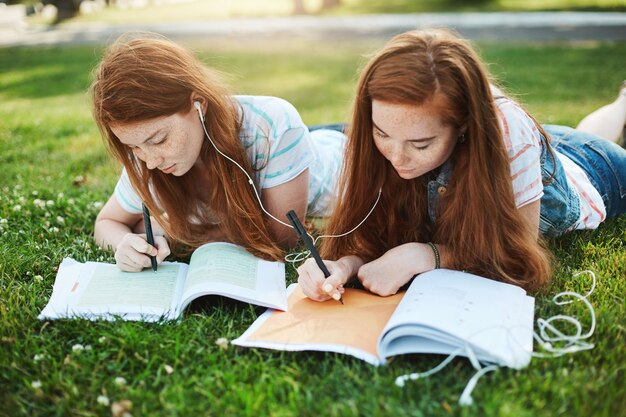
(334, 292)
(149, 236)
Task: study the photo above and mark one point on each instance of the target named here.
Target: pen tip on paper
(336, 296)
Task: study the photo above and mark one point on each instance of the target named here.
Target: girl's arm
(530, 214)
(117, 229)
(385, 275)
(292, 195)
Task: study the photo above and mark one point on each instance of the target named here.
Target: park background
(56, 175)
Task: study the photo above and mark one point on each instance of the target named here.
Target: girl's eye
(420, 148)
(160, 141)
(379, 134)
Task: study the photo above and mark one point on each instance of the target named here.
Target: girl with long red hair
(185, 141)
(468, 179)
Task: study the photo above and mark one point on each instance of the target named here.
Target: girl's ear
(197, 97)
(461, 137)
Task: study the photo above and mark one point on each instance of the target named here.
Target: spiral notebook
(442, 312)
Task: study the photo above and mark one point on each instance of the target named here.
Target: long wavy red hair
(477, 218)
(143, 76)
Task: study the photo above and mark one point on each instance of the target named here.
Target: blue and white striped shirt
(279, 147)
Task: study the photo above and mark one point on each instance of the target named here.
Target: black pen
(302, 234)
(149, 235)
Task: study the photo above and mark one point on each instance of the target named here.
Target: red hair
(477, 219)
(145, 76)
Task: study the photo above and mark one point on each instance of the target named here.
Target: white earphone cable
(296, 257)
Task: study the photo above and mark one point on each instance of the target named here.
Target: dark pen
(302, 234)
(149, 235)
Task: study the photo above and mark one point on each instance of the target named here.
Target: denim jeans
(339, 127)
(603, 161)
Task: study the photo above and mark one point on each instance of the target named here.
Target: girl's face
(169, 143)
(412, 137)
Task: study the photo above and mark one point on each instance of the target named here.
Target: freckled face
(169, 143)
(412, 137)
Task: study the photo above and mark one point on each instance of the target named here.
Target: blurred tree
(298, 7)
(327, 4)
(65, 8)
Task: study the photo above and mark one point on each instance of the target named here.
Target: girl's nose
(153, 161)
(395, 155)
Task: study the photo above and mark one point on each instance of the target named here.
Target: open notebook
(94, 290)
(441, 312)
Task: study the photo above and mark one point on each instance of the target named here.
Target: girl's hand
(133, 252)
(315, 286)
(385, 275)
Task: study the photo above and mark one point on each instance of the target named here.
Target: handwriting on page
(223, 264)
(146, 288)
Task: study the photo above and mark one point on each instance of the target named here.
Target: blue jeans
(603, 161)
(339, 127)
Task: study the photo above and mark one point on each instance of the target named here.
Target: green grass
(218, 9)
(55, 173)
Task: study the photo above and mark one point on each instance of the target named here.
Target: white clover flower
(38, 357)
(39, 203)
(53, 229)
(97, 204)
(60, 220)
(36, 384)
(3, 221)
(35, 192)
(78, 348)
(120, 380)
(222, 342)
(121, 408)
(168, 369)
(103, 400)
(49, 203)
(88, 348)
(21, 200)
(71, 201)
(17, 207)
(38, 278)
(60, 195)
(102, 339)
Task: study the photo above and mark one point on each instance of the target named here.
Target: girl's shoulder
(266, 118)
(518, 128)
(272, 110)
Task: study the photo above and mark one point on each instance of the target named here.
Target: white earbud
(198, 107)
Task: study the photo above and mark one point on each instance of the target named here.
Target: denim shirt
(560, 203)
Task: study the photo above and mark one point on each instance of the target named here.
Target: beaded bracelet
(436, 252)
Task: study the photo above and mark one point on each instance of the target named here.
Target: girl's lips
(404, 171)
(168, 170)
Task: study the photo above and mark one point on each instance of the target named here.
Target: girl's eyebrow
(152, 136)
(410, 140)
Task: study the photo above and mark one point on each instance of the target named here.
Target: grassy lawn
(55, 174)
(183, 10)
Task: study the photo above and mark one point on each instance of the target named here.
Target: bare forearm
(109, 233)
(351, 265)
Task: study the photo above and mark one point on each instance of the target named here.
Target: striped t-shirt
(279, 147)
(523, 143)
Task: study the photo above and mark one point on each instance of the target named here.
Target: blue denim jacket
(560, 204)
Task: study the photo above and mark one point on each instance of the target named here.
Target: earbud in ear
(198, 107)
